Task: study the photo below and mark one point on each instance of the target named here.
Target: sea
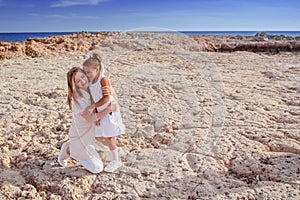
(18, 37)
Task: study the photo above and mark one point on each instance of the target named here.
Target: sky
(127, 15)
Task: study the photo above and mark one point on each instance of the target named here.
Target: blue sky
(123, 15)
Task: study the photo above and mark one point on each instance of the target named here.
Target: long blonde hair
(73, 90)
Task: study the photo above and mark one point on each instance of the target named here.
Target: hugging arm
(105, 98)
(106, 91)
(93, 117)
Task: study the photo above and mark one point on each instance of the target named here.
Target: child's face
(91, 73)
(81, 80)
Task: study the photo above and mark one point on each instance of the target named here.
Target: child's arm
(106, 91)
(93, 117)
(105, 98)
(112, 107)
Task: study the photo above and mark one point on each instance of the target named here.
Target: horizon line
(93, 31)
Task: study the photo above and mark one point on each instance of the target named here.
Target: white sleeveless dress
(111, 125)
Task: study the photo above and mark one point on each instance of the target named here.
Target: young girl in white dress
(110, 125)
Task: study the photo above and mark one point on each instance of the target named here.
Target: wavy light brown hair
(94, 61)
(73, 90)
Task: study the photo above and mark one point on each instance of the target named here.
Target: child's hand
(106, 90)
(97, 123)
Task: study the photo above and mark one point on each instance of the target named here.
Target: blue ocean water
(17, 37)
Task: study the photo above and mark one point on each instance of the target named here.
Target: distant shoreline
(86, 41)
(21, 37)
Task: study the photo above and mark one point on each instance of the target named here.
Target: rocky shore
(261, 42)
(205, 118)
(84, 41)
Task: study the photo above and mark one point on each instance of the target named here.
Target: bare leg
(101, 144)
(113, 149)
(111, 143)
(116, 161)
(101, 140)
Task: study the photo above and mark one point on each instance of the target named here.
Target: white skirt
(111, 125)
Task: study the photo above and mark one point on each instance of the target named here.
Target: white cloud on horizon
(67, 3)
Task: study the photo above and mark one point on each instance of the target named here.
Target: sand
(200, 125)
